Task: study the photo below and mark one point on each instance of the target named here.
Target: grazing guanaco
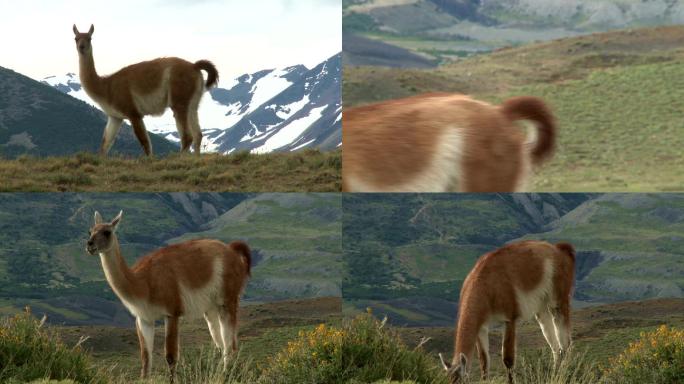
(190, 279)
(444, 142)
(513, 283)
(146, 88)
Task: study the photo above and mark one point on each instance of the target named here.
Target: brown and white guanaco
(513, 283)
(444, 142)
(146, 88)
(190, 279)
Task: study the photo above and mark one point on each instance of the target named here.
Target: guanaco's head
(102, 234)
(83, 40)
(456, 373)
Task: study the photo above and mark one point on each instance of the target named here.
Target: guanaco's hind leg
(141, 134)
(561, 321)
(196, 131)
(228, 320)
(185, 93)
(146, 338)
(548, 329)
(182, 125)
(110, 131)
(213, 322)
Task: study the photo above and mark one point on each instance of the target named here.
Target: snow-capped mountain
(270, 110)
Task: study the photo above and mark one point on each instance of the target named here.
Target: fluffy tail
(243, 249)
(568, 249)
(212, 73)
(534, 109)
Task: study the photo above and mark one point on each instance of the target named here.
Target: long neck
(120, 277)
(470, 321)
(90, 80)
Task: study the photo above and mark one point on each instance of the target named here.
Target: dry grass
(308, 170)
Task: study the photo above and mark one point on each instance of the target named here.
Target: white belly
(443, 174)
(539, 299)
(156, 101)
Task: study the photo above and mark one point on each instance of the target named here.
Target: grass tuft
(302, 171)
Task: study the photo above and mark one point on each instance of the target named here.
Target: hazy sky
(239, 36)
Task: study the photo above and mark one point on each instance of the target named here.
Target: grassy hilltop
(304, 171)
(617, 96)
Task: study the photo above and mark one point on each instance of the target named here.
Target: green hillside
(447, 30)
(38, 120)
(407, 255)
(638, 240)
(43, 262)
(298, 241)
(617, 97)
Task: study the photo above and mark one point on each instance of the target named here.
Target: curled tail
(535, 110)
(243, 249)
(568, 249)
(212, 73)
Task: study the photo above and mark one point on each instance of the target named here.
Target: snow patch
(287, 111)
(302, 145)
(290, 132)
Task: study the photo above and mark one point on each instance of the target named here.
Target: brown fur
(489, 290)
(392, 143)
(115, 93)
(156, 278)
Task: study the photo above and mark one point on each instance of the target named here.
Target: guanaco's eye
(107, 233)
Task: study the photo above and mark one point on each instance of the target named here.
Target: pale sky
(239, 36)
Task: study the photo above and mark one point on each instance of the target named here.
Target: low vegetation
(363, 350)
(307, 170)
(657, 357)
(28, 352)
(360, 350)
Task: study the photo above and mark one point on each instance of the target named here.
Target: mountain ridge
(292, 236)
(283, 102)
(40, 121)
(628, 246)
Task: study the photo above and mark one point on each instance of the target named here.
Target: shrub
(363, 350)
(573, 368)
(657, 357)
(206, 366)
(30, 352)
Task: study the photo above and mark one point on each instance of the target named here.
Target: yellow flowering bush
(361, 350)
(30, 352)
(657, 357)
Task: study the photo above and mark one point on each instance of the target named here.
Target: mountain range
(446, 30)
(295, 241)
(407, 255)
(38, 120)
(282, 109)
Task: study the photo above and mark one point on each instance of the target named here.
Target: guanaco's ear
(91, 30)
(117, 220)
(98, 218)
(75, 30)
(445, 363)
